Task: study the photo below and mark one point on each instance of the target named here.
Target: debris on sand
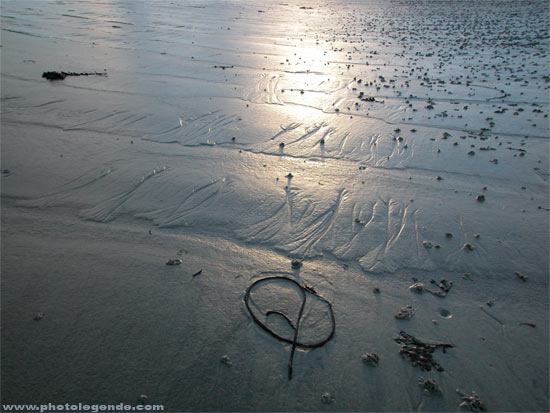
(427, 244)
(62, 75)
(305, 292)
(225, 360)
(54, 75)
(429, 385)
(39, 316)
(417, 287)
(197, 273)
(444, 288)
(405, 313)
(468, 247)
(472, 402)
(368, 99)
(418, 352)
(371, 359)
(445, 313)
(521, 276)
(327, 398)
(296, 264)
(176, 261)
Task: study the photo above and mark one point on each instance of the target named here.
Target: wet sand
(379, 144)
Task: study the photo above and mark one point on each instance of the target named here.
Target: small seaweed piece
(62, 75)
(528, 324)
(521, 276)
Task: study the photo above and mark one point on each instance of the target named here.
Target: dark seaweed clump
(62, 75)
(418, 352)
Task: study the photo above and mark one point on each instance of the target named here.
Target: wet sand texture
(373, 153)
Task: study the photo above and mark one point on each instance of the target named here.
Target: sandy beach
(276, 206)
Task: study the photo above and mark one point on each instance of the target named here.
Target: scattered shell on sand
(429, 385)
(472, 402)
(417, 287)
(445, 313)
(444, 287)
(327, 398)
(39, 316)
(370, 358)
(176, 261)
(376, 290)
(468, 247)
(225, 360)
(480, 198)
(405, 313)
(142, 399)
(296, 264)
